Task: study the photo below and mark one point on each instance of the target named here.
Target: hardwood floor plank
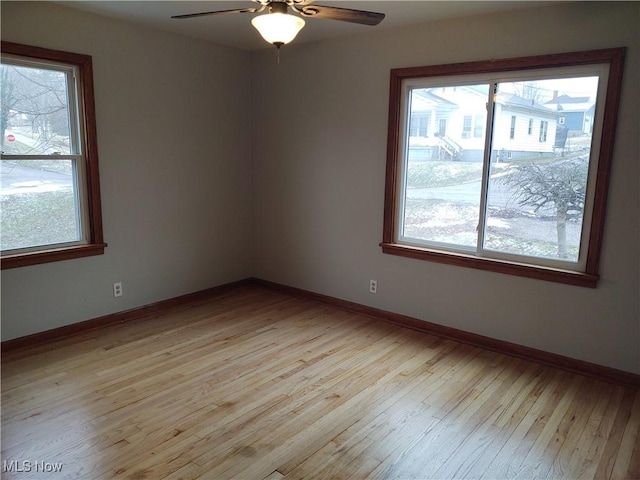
(613, 444)
(603, 427)
(188, 472)
(350, 451)
(262, 385)
(634, 464)
(629, 444)
(234, 428)
(575, 431)
(430, 457)
(515, 392)
(475, 431)
(327, 414)
(542, 453)
(535, 408)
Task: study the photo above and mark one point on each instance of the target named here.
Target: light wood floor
(254, 384)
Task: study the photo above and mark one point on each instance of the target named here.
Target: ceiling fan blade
(343, 14)
(218, 12)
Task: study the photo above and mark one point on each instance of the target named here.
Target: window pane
(443, 170)
(538, 181)
(38, 203)
(35, 111)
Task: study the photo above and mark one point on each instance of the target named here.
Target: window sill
(52, 255)
(569, 277)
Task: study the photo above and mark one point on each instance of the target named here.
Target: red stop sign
(11, 138)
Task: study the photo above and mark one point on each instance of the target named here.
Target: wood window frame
(614, 57)
(94, 244)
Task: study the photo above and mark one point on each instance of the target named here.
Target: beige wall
(319, 187)
(175, 170)
(181, 142)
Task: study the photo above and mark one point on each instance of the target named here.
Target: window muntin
(573, 261)
(50, 189)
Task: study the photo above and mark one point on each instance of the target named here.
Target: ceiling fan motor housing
(278, 7)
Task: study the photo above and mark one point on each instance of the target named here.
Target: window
(544, 126)
(442, 127)
(530, 128)
(479, 126)
(466, 126)
(419, 125)
(525, 207)
(50, 196)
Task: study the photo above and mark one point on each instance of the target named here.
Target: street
(20, 179)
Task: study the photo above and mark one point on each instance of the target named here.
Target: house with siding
(449, 123)
(522, 128)
(573, 113)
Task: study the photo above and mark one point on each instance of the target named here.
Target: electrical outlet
(373, 286)
(117, 289)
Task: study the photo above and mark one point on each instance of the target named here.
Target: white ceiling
(236, 30)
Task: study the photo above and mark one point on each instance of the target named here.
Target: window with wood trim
(524, 205)
(50, 192)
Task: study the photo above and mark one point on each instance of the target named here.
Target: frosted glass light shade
(278, 28)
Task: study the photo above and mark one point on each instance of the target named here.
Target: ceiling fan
(279, 28)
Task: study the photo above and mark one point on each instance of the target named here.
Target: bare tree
(560, 186)
(39, 97)
(529, 90)
(6, 98)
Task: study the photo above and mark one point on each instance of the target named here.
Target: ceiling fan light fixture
(278, 28)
